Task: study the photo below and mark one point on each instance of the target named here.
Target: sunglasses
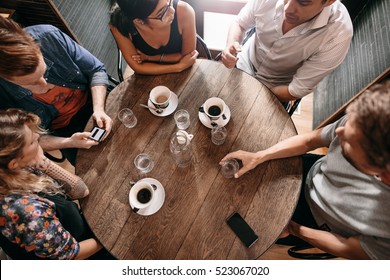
(163, 12)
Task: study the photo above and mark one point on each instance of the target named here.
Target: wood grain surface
(192, 222)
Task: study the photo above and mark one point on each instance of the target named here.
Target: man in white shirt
(344, 207)
(296, 43)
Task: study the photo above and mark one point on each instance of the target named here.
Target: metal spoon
(158, 110)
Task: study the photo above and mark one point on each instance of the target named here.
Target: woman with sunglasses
(155, 36)
(38, 219)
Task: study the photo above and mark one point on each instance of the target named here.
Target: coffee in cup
(214, 108)
(144, 195)
(160, 97)
(141, 195)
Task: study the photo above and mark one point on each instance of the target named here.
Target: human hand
(81, 140)
(291, 228)
(40, 161)
(140, 57)
(284, 233)
(229, 55)
(188, 60)
(103, 121)
(249, 161)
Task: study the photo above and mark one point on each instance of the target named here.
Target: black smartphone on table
(97, 133)
(240, 227)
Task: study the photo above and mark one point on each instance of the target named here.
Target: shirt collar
(318, 21)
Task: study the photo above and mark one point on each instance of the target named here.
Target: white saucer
(205, 120)
(158, 199)
(167, 111)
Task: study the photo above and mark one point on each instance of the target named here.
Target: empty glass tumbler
(218, 135)
(182, 119)
(230, 167)
(144, 163)
(127, 117)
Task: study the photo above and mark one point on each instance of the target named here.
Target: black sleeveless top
(174, 44)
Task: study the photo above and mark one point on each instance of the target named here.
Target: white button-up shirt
(300, 58)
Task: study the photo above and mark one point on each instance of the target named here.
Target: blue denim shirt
(68, 65)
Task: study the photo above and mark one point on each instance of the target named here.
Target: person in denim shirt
(42, 70)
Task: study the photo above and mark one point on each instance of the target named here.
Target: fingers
(236, 48)
(241, 172)
(229, 58)
(89, 143)
(82, 135)
(226, 157)
(194, 54)
(103, 121)
(137, 58)
(99, 122)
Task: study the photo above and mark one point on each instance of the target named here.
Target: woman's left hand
(40, 161)
(140, 57)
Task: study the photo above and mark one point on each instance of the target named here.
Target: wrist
(261, 157)
(161, 58)
(43, 165)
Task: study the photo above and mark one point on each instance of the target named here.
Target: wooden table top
(192, 221)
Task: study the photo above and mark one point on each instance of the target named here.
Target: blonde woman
(38, 220)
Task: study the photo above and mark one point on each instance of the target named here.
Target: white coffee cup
(214, 108)
(160, 96)
(141, 195)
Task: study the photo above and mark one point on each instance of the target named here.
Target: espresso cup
(141, 195)
(160, 97)
(214, 108)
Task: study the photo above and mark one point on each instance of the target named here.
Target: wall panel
(367, 58)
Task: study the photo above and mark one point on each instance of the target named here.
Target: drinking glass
(182, 119)
(230, 167)
(127, 117)
(218, 135)
(144, 163)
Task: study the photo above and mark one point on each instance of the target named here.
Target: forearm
(166, 58)
(98, 98)
(73, 185)
(334, 244)
(150, 68)
(88, 247)
(293, 146)
(51, 143)
(236, 34)
(282, 93)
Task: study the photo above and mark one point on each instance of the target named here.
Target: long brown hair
(19, 53)
(12, 142)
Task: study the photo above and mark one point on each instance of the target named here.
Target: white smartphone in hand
(97, 134)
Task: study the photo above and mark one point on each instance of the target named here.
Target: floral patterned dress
(32, 222)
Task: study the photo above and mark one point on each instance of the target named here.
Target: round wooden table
(192, 221)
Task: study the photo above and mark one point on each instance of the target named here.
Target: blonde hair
(371, 114)
(12, 142)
